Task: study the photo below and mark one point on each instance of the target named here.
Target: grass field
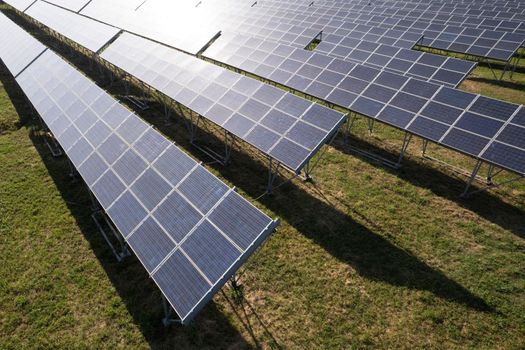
(365, 257)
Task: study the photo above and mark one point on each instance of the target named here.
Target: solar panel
(73, 5)
(91, 34)
(175, 28)
(20, 5)
(17, 48)
(243, 106)
(189, 230)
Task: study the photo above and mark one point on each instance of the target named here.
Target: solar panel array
(189, 230)
(86, 32)
(435, 68)
(493, 20)
(459, 120)
(17, 48)
(285, 127)
(429, 67)
(478, 42)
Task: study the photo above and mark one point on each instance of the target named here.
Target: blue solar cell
(98, 133)
(422, 70)
(465, 142)
(182, 284)
(341, 97)
(519, 118)
(379, 93)
(115, 115)
(107, 188)
(233, 100)
(479, 125)
(129, 166)
(513, 135)
(493, 108)
(289, 153)
(126, 213)
(92, 168)
(428, 128)
(177, 216)
(392, 80)
(69, 137)
(150, 188)
(268, 94)
(293, 104)
(454, 97)
(367, 107)
(420, 88)
(239, 125)
(150, 145)
(80, 151)
(151, 244)
(395, 116)
(322, 117)
(365, 73)
(210, 251)
(442, 113)
(408, 102)
(262, 138)
(202, 189)
(241, 223)
(319, 90)
(278, 121)
(306, 135)
(353, 85)
(112, 148)
(506, 156)
(254, 110)
(131, 129)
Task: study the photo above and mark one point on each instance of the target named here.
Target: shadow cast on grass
(500, 83)
(485, 204)
(368, 252)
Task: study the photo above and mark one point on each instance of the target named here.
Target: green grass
(365, 257)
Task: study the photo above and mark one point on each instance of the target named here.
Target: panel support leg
(103, 225)
(472, 178)
(273, 170)
(168, 313)
(406, 142)
(371, 123)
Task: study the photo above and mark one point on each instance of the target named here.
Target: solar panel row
(430, 11)
(86, 32)
(456, 119)
(285, 127)
(175, 28)
(484, 43)
(189, 230)
(266, 55)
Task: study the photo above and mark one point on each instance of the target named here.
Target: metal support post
(406, 142)
(168, 313)
(472, 178)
